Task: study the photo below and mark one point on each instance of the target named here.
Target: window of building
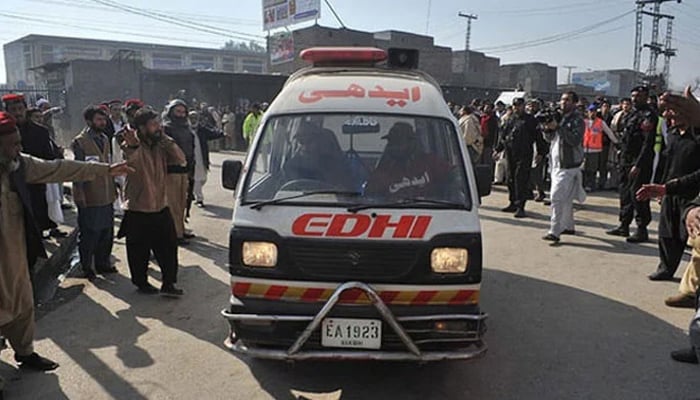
(80, 52)
(202, 62)
(167, 61)
(229, 64)
(47, 54)
(254, 66)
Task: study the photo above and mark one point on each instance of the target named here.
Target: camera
(547, 116)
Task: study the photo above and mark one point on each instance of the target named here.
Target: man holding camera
(566, 152)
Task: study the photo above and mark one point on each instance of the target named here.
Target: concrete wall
(531, 76)
(483, 70)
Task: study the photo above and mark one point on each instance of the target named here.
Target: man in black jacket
(636, 166)
(517, 137)
(681, 175)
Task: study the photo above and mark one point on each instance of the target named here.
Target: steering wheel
(302, 185)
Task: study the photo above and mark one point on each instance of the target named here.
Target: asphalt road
(579, 321)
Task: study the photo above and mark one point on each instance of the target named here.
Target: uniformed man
(517, 138)
(20, 239)
(636, 166)
(95, 199)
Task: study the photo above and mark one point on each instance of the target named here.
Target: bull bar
(295, 352)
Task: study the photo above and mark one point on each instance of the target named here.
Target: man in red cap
(36, 141)
(20, 239)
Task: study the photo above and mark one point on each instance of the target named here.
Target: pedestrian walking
(20, 239)
(148, 224)
(566, 156)
(636, 164)
(204, 134)
(95, 199)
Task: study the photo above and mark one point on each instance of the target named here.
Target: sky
(595, 34)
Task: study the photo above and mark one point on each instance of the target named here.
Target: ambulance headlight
(449, 260)
(259, 254)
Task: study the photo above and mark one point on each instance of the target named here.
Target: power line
(178, 22)
(571, 38)
(335, 14)
(557, 37)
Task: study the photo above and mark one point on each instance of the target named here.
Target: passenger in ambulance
(317, 157)
(406, 171)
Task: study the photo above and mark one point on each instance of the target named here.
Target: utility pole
(569, 68)
(469, 18)
(655, 46)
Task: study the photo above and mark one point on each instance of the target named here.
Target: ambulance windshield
(357, 160)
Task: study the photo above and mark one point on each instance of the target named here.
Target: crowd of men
(123, 155)
(645, 147)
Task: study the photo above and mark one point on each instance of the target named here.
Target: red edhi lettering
(357, 225)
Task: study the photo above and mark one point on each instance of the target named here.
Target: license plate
(353, 333)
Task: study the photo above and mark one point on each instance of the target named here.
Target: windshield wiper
(407, 202)
(260, 204)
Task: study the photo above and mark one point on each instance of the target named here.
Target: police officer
(636, 166)
(518, 137)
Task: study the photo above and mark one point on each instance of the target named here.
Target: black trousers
(146, 233)
(95, 245)
(630, 208)
(519, 178)
(537, 175)
(670, 252)
(40, 208)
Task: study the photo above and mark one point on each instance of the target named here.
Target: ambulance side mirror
(230, 173)
(484, 179)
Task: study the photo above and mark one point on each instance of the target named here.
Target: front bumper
(412, 341)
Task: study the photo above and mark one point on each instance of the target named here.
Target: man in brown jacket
(20, 238)
(95, 198)
(148, 224)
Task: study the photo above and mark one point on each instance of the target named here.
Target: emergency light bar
(343, 55)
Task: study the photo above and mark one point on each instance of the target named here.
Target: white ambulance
(355, 231)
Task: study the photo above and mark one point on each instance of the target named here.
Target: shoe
(571, 232)
(189, 235)
(641, 236)
(183, 242)
(147, 289)
(171, 291)
(685, 356)
(107, 270)
(520, 213)
(66, 206)
(539, 198)
(36, 362)
(681, 301)
(619, 231)
(200, 204)
(551, 238)
(547, 202)
(511, 208)
(660, 275)
(89, 275)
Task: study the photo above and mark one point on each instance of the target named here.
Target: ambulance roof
(360, 90)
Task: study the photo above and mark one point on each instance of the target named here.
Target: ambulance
(355, 232)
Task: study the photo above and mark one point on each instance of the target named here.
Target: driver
(319, 157)
(405, 171)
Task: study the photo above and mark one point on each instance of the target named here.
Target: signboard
(600, 81)
(280, 13)
(281, 48)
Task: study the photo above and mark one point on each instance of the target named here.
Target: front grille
(347, 261)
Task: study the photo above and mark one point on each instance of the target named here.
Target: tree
(243, 46)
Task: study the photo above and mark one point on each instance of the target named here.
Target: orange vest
(593, 138)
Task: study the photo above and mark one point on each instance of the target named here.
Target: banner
(281, 48)
(280, 13)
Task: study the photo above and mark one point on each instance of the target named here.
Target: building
(531, 77)
(483, 70)
(435, 60)
(615, 83)
(26, 53)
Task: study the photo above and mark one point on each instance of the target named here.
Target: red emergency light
(343, 55)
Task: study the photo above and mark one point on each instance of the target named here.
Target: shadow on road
(546, 341)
